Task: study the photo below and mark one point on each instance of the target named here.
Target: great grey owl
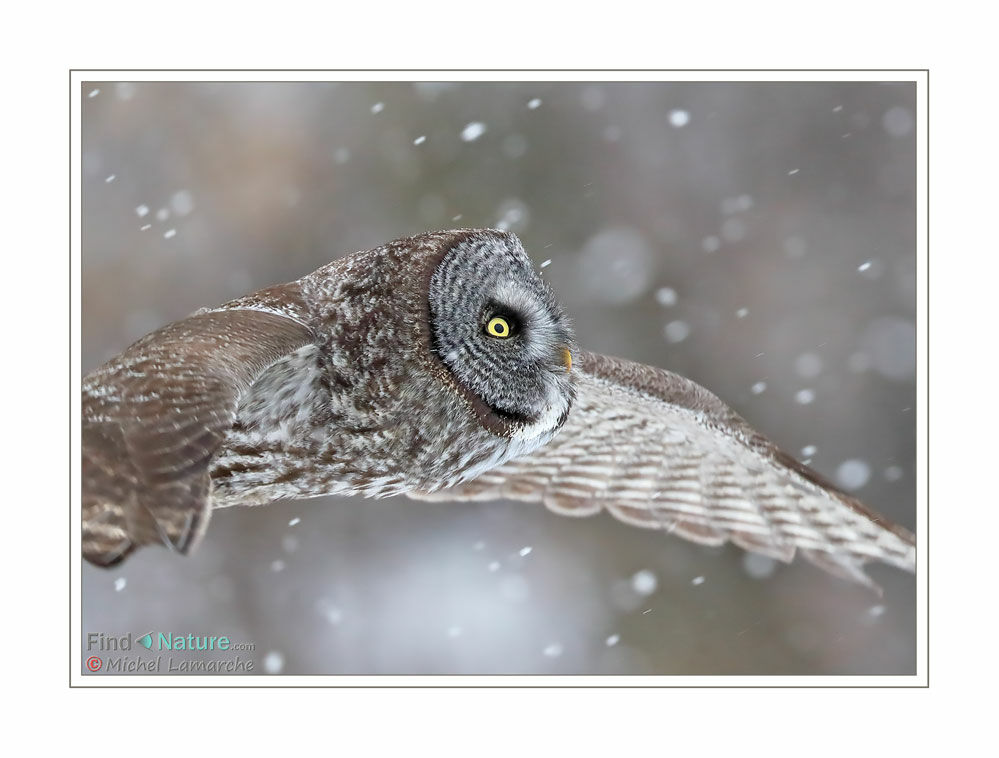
(441, 367)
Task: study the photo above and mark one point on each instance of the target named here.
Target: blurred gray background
(758, 238)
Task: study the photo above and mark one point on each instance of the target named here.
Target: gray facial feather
(522, 376)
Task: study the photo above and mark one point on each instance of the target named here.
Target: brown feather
(155, 416)
(661, 452)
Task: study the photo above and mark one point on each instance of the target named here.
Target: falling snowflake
(808, 365)
(853, 474)
(679, 118)
(804, 397)
(710, 244)
(273, 662)
(644, 582)
(329, 611)
(897, 122)
(182, 202)
(666, 297)
(676, 331)
(473, 131)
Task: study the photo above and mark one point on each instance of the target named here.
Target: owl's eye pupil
(498, 327)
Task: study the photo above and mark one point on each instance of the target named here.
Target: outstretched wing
(153, 418)
(659, 451)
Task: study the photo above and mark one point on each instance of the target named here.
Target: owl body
(369, 407)
(438, 366)
(364, 393)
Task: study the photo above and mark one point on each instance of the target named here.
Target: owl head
(499, 331)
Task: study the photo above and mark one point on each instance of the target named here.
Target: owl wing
(153, 418)
(660, 452)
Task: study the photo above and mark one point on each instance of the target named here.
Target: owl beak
(567, 358)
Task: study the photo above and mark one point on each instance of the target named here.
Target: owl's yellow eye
(498, 327)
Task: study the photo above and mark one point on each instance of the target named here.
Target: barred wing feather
(660, 452)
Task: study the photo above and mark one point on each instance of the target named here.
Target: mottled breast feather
(154, 417)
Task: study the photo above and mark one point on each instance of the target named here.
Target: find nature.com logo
(116, 651)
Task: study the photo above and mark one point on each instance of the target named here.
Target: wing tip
(107, 559)
(844, 567)
(112, 536)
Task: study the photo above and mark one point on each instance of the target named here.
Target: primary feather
(659, 451)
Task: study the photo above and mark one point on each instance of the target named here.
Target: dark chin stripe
(512, 417)
(563, 418)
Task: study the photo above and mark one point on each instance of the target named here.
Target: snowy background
(758, 238)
